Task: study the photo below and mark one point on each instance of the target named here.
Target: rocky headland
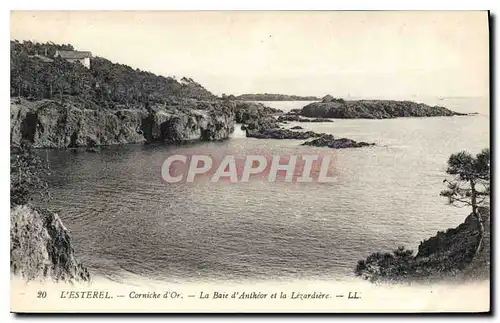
(331, 107)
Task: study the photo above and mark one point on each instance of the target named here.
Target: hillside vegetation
(61, 104)
(105, 85)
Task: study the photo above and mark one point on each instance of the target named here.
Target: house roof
(70, 54)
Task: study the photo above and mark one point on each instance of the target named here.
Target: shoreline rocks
(265, 126)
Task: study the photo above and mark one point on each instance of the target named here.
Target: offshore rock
(372, 109)
(278, 133)
(330, 141)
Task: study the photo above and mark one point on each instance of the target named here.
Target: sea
(126, 222)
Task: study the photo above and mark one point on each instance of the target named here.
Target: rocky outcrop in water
(330, 141)
(278, 133)
(372, 109)
(266, 126)
(49, 124)
(40, 247)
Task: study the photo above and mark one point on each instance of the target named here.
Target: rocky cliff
(372, 109)
(40, 247)
(50, 124)
(454, 250)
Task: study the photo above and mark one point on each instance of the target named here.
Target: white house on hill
(75, 56)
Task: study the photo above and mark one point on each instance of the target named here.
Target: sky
(369, 54)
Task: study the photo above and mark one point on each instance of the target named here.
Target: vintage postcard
(250, 162)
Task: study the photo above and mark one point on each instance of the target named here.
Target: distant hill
(36, 74)
(275, 97)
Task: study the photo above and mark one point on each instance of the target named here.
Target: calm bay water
(125, 221)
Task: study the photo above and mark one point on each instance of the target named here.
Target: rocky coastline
(50, 124)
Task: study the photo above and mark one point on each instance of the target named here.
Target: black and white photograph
(250, 161)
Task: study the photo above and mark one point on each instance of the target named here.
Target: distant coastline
(275, 97)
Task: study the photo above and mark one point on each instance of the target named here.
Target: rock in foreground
(450, 254)
(330, 141)
(40, 247)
